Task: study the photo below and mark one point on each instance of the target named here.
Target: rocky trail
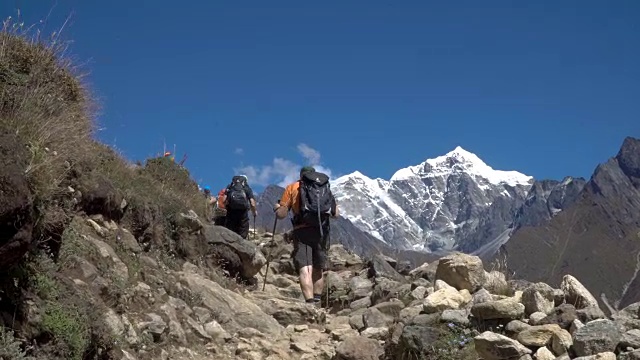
(168, 308)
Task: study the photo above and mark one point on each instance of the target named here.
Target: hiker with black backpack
(312, 203)
(239, 199)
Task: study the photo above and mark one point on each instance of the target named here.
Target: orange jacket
(222, 196)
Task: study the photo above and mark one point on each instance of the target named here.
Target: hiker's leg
(243, 228)
(319, 264)
(306, 282)
(303, 261)
(233, 221)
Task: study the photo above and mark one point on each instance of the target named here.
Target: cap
(206, 187)
(306, 169)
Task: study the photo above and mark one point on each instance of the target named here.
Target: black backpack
(236, 194)
(316, 200)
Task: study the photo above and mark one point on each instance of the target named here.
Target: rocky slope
(151, 305)
(596, 238)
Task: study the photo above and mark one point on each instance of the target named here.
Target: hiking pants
(220, 220)
(309, 248)
(238, 222)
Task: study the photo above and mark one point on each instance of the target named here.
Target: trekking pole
(273, 238)
(328, 285)
(255, 235)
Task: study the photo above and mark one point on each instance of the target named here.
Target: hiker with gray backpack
(239, 199)
(312, 203)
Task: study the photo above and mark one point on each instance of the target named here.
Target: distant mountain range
(596, 236)
(451, 202)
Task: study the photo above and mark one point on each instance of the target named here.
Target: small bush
(68, 327)
(456, 345)
(10, 347)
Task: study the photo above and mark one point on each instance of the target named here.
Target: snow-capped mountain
(454, 201)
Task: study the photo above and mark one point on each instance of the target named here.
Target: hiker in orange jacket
(311, 241)
(220, 212)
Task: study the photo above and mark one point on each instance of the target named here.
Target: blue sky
(547, 88)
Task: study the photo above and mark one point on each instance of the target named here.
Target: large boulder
(233, 311)
(596, 337)
(492, 346)
(418, 340)
(577, 294)
(358, 348)
(505, 309)
(16, 209)
(241, 257)
(462, 271)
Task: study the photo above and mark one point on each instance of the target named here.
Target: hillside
(597, 238)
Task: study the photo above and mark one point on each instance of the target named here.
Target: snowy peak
(460, 160)
(443, 203)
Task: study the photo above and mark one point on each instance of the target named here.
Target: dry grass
(44, 102)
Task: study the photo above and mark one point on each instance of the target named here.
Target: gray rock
(536, 318)
(360, 287)
(590, 313)
(358, 348)
(563, 315)
(243, 256)
(630, 339)
(380, 268)
(538, 297)
(514, 327)
(416, 339)
(508, 309)
(629, 355)
(492, 346)
(596, 337)
(372, 317)
(462, 271)
(458, 317)
(360, 304)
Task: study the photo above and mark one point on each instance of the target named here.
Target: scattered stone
(358, 348)
(537, 336)
(492, 346)
(508, 309)
(462, 271)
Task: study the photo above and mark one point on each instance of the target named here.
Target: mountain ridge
(434, 205)
(595, 238)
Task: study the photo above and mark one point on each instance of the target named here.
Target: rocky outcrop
(546, 198)
(240, 256)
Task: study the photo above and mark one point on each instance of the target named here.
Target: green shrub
(10, 347)
(69, 328)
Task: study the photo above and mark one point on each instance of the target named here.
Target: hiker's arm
(334, 207)
(252, 201)
(282, 208)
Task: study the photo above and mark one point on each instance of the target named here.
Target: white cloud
(238, 151)
(283, 171)
(312, 155)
